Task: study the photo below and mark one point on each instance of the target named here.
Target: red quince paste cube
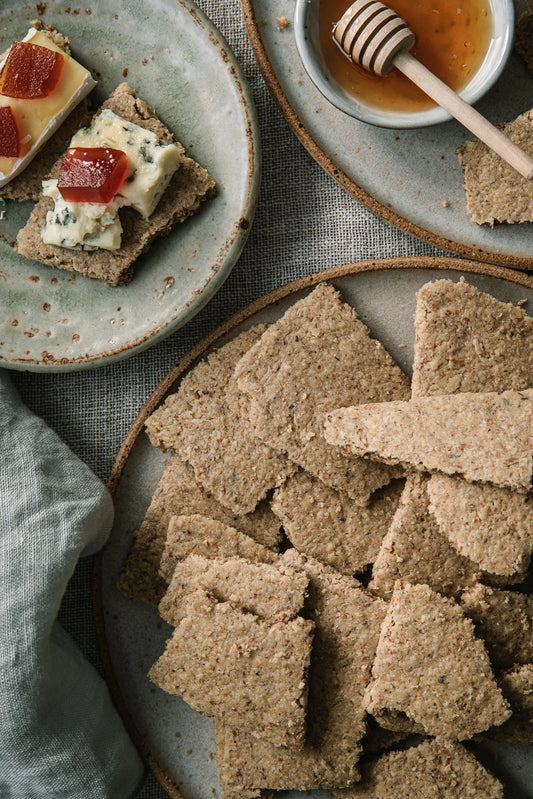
(91, 174)
(9, 134)
(31, 71)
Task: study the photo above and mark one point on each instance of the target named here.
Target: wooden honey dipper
(377, 39)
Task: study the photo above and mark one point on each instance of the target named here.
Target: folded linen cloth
(60, 735)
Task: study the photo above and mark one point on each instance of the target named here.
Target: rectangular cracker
(495, 192)
(348, 621)
(328, 524)
(188, 188)
(504, 620)
(206, 422)
(209, 538)
(319, 356)
(431, 769)
(415, 550)
(267, 590)
(492, 526)
(178, 493)
(248, 672)
(430, 666)
(481, 437)
(465, 341)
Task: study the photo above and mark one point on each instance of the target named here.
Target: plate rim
(329, 165)
(230, 248)
(191, 357)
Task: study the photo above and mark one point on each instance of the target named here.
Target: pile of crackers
(268, 507)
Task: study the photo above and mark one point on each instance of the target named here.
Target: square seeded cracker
(468, 341)
(415, 550)
(431, 770)
(504, 619)
(430, 666)
(347, 624)
(206, 422)
(266, 589)
(523, 42)
(250, 673)
(328, 524)
(319, 356)
(495, 192)
(482, 437)
(177, 494)
(188, 188)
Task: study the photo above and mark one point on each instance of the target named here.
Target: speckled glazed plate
(177, 742)
(178, 62)
(409, 177)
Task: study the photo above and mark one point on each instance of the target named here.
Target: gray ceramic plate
(179, 63)
(177, 742)
(409, 177)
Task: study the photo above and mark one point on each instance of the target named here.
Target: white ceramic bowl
(307, 36)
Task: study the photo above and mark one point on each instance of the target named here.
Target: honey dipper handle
(464, 113)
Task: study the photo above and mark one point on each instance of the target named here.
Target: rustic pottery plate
(178, 62)
(409, 177)
(178, 743)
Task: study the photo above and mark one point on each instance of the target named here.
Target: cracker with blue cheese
(140, 224)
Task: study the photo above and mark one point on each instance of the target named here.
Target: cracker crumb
(282, 23)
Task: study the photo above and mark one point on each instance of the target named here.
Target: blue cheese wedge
(89, 226)
(38, 119)
(151, 162)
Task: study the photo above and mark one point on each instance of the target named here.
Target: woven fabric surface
(305, 222)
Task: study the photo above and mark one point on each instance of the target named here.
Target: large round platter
(177, 743)
(179, 63)
(409, 177)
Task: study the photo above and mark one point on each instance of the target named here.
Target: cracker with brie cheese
(189, 185)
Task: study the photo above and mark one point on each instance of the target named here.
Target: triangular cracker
(504, 619)
(430, 666)
(492, 526)
(319, 356)
(431, 770)
(483, 437)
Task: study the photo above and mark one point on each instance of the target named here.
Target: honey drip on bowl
(452, 39)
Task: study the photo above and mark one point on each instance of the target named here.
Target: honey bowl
(466, 43)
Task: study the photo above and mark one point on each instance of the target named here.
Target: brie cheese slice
(39, 118)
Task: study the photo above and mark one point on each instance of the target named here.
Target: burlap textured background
(304, 223)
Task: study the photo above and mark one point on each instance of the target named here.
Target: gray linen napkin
(60, 736)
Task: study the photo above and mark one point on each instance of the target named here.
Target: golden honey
(452, 39)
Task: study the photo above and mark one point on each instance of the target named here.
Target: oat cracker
(504, 619)
(329, 526)
(431, 770)
(319, 356)
(179, 493)
(208, 538)
(430, 666)
(248, 672)
(267, 590)
(347, 622)
(482, 437)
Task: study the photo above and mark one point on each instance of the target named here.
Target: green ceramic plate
(179, 63)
